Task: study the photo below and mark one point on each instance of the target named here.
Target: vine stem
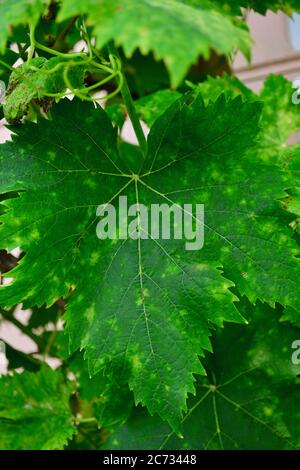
(129, 103)
(31, 47)
(86, 420)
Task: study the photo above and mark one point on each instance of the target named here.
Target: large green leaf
(175, 32)
(35, 411)
(248, 401)
(145, 306)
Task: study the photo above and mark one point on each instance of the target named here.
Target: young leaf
(149, 108)
(35, 411)
(161, 27)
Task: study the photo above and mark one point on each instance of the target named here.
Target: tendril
(91, 61)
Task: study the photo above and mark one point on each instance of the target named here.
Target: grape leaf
(161, 27)
(6, 62)
(116, 401)
(149, 108)
(117, 114)
(15, 12)
(146, 305)
(287, 6)
(34, 411)
(291, 316)
(228, 85)
(261, 6)
(108, 390)
(293, 201)
(290, 160)
(280, 119)
(244, 403)
(144, 74)
(228, 6)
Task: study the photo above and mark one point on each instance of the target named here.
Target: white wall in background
(294, 27)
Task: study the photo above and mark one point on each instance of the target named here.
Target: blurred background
(276, 49)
